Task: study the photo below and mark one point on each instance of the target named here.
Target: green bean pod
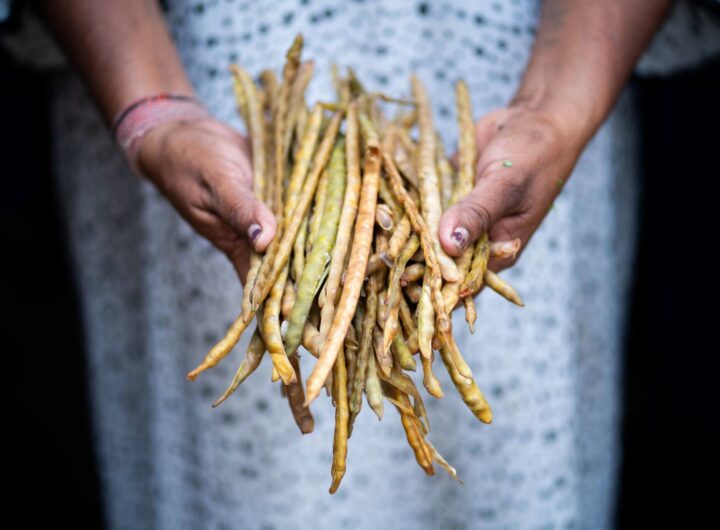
(318, 259)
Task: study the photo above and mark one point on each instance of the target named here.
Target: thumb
(249, 217)
(492, 198)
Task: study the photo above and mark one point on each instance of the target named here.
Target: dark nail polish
(460, 237)
(254, 231)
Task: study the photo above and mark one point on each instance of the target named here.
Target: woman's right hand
(204, 169)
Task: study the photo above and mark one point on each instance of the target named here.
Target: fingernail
(254, 231)
(460, 237)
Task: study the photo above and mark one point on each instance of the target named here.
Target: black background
(672, 375)
(670, 476)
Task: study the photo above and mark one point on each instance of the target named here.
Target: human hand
(204, 169)
(525, 157)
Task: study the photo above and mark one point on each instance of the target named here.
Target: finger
(244, 145)
(253, 219)
(495, 195)
(488, 126)
(249, 217)
(513, 227)
(224, 237)
(239, 257)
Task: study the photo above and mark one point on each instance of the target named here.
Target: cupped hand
(525, 157)
(204, 169)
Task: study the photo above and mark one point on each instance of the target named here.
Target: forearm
(584, 52)
(122, 49)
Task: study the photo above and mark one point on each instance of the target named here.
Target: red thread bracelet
(144, 114)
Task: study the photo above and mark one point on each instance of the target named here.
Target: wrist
(142, 116)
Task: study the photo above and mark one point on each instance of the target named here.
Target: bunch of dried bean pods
(356, 270)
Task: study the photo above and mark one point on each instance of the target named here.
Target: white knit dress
(155, 296)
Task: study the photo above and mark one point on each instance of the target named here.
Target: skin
(203, 169)
(583, 55)
(124, 52)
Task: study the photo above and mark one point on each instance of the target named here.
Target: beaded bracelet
(144, 114)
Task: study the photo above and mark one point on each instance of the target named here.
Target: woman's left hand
(525, 157)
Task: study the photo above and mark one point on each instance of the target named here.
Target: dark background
(672, 371)
(671, 363)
